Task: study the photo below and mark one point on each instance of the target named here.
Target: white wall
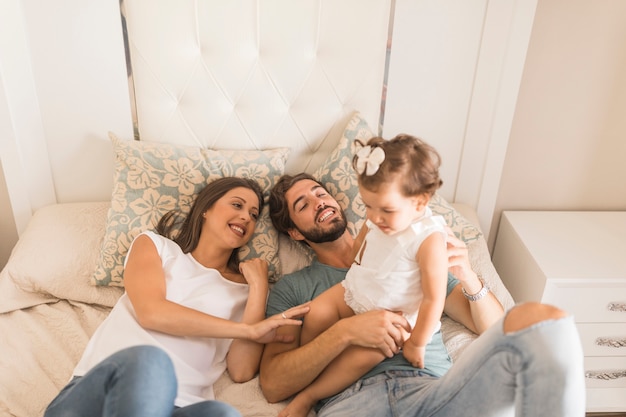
(7, 225)
(434, 54)
(79, 70)
(454, 78)
(62, 87)
(567, 149)
(23, 149)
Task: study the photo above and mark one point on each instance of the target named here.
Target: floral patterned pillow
(153, 178)
(338, 176)
(462, 228)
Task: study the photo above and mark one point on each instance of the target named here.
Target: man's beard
(319, 235)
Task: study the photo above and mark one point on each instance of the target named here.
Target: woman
(168, 338)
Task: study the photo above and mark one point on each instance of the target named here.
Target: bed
(64, 274)
(49, 306)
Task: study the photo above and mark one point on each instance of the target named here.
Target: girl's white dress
(386, 275)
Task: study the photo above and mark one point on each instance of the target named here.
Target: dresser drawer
(588, 303)
(605, 400)
(605, 395)
(605, 372)
(603, 339)
(575, 261)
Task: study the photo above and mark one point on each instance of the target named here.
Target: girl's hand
(413, 353)
(265, 331)
(254, 271)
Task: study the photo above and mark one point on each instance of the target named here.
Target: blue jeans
(537, 371)
(137, 381)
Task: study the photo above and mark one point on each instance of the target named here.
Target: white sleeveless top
(198, 361)
(388, 276)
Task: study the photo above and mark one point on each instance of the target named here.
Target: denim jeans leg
(136, 382)
(209, 408)
(537, 371)
(369, 396)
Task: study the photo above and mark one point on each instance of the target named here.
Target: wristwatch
(480, 294)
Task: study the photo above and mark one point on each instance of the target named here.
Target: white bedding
(49, 309)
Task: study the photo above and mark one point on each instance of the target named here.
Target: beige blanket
(49, 309)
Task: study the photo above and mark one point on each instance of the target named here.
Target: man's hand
(380, 329)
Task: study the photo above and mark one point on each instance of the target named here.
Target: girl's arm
(433, 262)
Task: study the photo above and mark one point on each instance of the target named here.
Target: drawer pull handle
(611, 342)
(617, 306)
(605, 375)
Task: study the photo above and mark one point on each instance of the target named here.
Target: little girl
(401, 262)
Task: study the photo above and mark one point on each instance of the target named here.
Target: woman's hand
(254, 271)
(458, 259)
(265, 331)
(476, 316)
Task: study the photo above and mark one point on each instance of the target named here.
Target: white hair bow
(369, 159)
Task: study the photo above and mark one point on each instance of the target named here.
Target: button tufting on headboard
(253, 75)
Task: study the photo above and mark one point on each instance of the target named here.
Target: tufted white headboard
(253, 74)
(242, 74)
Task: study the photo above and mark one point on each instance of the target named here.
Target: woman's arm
(478, 315)
(244, 355)
(144, 281)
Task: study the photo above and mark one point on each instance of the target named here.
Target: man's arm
(478, 315)
(287, 368)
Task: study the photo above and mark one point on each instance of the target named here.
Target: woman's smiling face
(233, 217)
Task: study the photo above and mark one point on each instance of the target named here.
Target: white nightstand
(576, 261)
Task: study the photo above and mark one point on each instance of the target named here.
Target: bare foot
(298, 407)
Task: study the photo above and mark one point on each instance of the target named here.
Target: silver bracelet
(480, 294)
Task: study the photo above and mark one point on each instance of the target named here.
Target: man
(531, 360)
